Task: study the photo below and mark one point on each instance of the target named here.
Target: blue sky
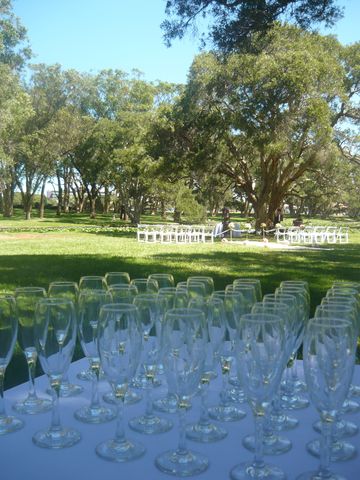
(90, 35)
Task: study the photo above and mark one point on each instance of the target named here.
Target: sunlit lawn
(37, 258)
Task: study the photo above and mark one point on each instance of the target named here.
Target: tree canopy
(233, 23)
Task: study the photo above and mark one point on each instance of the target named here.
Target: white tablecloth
(20, 458)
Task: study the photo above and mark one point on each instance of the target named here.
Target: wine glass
(92, 282)
(260, 359)
(8, 333)
(26, 299)
(55, 337)
(248, 293)
(119, 341)
(183, 357)
(117, 278)
(204, 430)
(90, 303)
(329, 357)
(70, 290)
(163, 279)
(148, 312)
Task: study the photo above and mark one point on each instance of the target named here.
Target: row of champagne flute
(230, 292)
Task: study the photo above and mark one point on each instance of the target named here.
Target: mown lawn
(39, 257)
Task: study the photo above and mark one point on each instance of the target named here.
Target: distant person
(278, 217)
(225, 221)
(298, 221)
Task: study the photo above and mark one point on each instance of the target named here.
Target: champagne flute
(207, 281)
(70, 290)
(184, 356)
(55, 337)
(90, 303)
(260, 359)
(8, 333)
(340, 450)
(329, 357)
(145, 285)
(169, 298)
(26, 300)
(148, 312)
(120, 339)
(163, 279)
(204, 430)
(92, 282)
(117, 278)
(251, 281)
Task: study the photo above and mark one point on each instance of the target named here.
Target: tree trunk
(27, 204)
(92, 202)
(8, 200)
(59, 195)
(42, 200)
(107, 200)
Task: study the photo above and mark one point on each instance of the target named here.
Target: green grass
(37, 258)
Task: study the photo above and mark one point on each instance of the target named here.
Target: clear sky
(90, 35)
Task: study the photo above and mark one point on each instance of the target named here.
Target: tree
(263, 120)
(14, 50)
(233, 23)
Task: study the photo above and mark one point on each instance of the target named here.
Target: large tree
(14, 48)
(233, 23)
(264, 120)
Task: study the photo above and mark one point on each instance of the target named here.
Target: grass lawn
(32, 257)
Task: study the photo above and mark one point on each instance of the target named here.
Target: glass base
(131, 398)
(10, 424)
(247, 471)
(345, 428)
(340, 451)
(88, 376)
(354, 390)
(68, 390)
(181, 463)
(205, 433)
(296, 402)
(316, 475)
(350, 407)
(97, 414)
(140, 381)
(283, 422)
(150, 424)
(272, 444)
(226, 413)
(33, 405)
(59, 438)
(124, 451)
(166, 404)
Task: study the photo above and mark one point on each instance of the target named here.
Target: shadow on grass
(320, 267)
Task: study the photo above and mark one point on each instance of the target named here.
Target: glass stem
(259, 416)
(182, 448)
(2, 402)
(326, 427)
(31, 358)
(95, 401)
(120, 432)
(55, 416)
(204, 412)
(149, 402)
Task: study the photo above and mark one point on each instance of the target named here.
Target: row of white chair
(312, 234)
(173, 233)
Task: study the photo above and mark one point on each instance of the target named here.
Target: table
(21, 459)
